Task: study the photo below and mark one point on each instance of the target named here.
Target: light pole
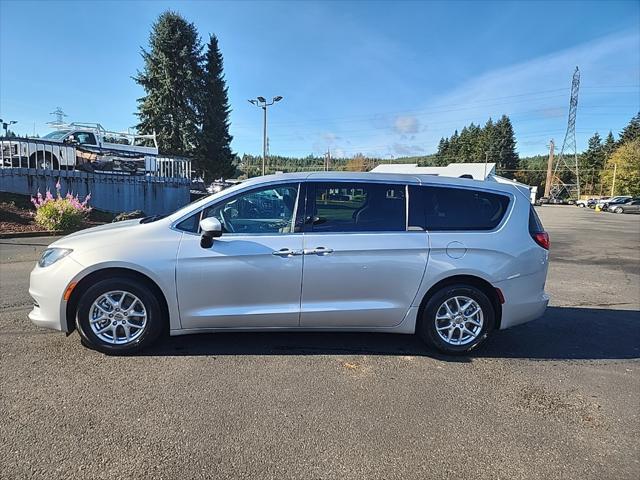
(5, 125)
(262, 103)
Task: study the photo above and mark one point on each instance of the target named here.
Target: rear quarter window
(451, 208)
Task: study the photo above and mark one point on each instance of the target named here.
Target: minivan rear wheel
(118, 315)
(456, 319)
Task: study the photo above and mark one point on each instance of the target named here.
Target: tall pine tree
(609, 145)
(631, 131)
(592, 162)
(171, 78)
(214, 157)
(506, 145)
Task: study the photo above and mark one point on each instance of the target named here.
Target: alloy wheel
(118, 317)
(459, 320)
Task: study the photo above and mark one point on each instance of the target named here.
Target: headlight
(52, 255)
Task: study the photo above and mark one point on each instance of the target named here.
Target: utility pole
(547, 184)
(262, 103)
(613, 184)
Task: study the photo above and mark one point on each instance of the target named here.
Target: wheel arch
(43, 154)
(489, 290)
(110, 272)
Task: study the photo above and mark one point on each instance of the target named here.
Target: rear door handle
(317, 251)
(286, 252)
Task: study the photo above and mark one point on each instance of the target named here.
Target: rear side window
(451, 208)
(535, 225)
(356, 207)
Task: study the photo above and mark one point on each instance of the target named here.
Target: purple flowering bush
(60, 213)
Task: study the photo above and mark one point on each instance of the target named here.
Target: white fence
(39, 155)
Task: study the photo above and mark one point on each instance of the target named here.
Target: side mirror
(210, 228)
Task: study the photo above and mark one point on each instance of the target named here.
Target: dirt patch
(567, 406)
(15, 214)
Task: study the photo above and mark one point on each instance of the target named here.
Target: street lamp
(6, 124)
(262, 103)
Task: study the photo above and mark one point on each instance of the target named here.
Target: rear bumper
(525, 299)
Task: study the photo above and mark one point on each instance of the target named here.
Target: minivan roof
(385, 177)
(355, 177)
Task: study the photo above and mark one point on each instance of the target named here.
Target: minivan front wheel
(457, 319)
(118, 315)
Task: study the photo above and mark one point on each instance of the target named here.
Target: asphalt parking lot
(556, 398)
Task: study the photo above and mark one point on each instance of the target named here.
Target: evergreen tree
(214, 157)
(592, 162)
(171, 78)
(453, 150)
(609, 145)
(631, 131)
(488, 148)
(507, 158)
(465, 145)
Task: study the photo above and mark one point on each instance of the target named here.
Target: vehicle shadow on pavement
(564, 333)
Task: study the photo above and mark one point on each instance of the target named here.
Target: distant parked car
(630, 207)
(605, 200)
(619, 200)
(591, 202)
(218, 186)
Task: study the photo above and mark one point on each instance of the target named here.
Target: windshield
(57, 135)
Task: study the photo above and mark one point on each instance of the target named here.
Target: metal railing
(39, 154)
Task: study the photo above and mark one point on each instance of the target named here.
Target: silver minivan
(449, 259)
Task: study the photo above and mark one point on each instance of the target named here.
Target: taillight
(542, 239)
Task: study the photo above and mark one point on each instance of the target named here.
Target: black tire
(44, 160)
(619, 210)
(155, 323)
(427, 323)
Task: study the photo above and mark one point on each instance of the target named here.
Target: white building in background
(475, 171)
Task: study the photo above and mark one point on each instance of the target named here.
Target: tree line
(621, 156)
(493, 143)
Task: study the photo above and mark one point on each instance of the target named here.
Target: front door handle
(317, 251)
(286, 252)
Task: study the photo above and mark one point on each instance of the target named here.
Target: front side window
(85, 138)
(451, 208)
(266, 210)
(356, 207)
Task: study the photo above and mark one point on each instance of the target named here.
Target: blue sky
(382, 78)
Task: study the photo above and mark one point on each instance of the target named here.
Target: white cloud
(407, 150)
(406, 124)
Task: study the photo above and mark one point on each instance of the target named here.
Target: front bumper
(46, 287)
